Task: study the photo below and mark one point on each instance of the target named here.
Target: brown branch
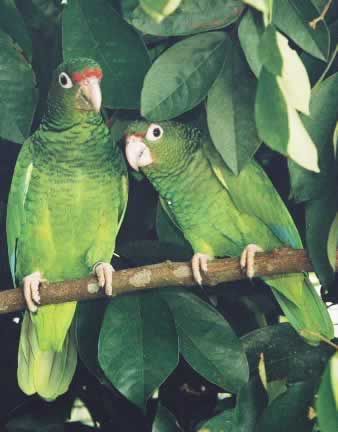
(161, 275)
(321, 17)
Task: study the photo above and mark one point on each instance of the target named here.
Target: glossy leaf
(251, 401)
(318, 223)
(250, 31)
(17, 92)
(207, 341)
(138, 346)
(264, 6)
(159, 9)
(231, 113)
(292, 17)
(289, 411)
(327, 400)
(324, 112)
(174, 85)
(320, 188)
(193, 16)
(286, 354)
(165, 421)
(40, 14)
(279, 59)
(220, 423)
(88, 321)
(94, 29)
(12, 23)
(279, 125)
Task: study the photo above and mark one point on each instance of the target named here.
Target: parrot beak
(90, 96)
(137, 153)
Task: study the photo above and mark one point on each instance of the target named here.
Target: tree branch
(168, 273)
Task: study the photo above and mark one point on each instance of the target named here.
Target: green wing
(16, 217)
(124, 187)
(271, 209)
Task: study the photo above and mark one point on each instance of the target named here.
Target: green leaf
(319, 216)
(220, 423)
(320, 125)
(279, 125)
(88, 321)
(320, 188)
(18, 95)
(230, 111)
(94, 29)
(193, 16)
(251, 401)
(138, 346)
(289, 411)
(174, 85)
(165, 421)
(40, 14)
(207, 341)
(12, 23)
(286, 354)
(250, 31)
(279, 59)
(159, 9)
(292, 17)
(332, 242)
(327, 401)
(264, 6)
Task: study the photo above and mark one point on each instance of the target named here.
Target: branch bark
(168, 273)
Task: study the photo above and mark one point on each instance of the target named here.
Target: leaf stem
(328, 66)
(320, 337)
(321, 17)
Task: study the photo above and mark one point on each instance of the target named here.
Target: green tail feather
(48, 373)
(308, 313)
(52, 323)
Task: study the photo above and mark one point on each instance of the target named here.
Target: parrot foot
(247, 260)
(31, 290)
(104, 273)
(199, 262)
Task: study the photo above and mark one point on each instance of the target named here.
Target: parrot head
(75, 88)
(158, 147)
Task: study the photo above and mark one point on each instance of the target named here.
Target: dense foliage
(262, 81)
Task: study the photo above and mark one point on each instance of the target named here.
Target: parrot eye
(65, 81)
(154, 132)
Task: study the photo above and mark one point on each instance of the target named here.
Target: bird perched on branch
(66, 203)
(221, 214)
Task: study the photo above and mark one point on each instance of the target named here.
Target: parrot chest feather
(206, 212)
(73, 198)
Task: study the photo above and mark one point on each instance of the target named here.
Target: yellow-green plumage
(220, 214)
(66, 203)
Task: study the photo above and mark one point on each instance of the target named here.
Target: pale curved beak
(90, 91)
(137, 153)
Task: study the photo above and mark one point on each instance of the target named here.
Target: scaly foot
(199, 262)
(248, 259)
(31, 291)
(104, 273)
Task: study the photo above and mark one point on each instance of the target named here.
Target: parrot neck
(85, 143)
(189, 175)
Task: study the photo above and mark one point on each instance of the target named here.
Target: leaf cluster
(261, 81)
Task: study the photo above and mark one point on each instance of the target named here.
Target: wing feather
(16, 217)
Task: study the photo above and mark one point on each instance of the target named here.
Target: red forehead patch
(87, 73)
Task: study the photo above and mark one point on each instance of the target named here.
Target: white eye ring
(154, 132)
(65, 81)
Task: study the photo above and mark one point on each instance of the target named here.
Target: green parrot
(66, 203)
(221, 214)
